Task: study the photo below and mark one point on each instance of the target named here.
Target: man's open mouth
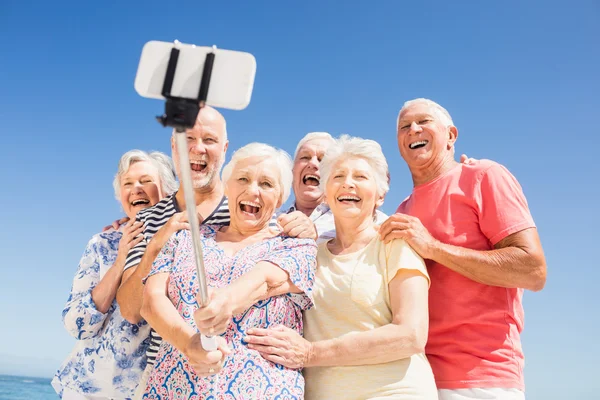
(418, 145)
(311, 180)
(198, 166)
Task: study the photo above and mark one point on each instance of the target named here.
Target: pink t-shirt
(474, 328)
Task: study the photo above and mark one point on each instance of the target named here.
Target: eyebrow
(402, 121)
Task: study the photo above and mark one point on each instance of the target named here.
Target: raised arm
(288, 268)
(130, 293)
(160, 313)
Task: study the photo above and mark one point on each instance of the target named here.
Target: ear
(452, 136)
(379, 201)
(226, 147)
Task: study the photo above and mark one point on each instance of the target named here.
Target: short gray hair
(443, 114)
(281, 158)
(369, 150)
(161, 161)
(312, 136)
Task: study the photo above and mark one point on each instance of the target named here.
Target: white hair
(280, 158)
(369, 150)
(161, 161)
(312, 136)
(443, 114)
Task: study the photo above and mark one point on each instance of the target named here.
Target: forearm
(105, 291)
(131, 293)
(510, 267)
(160, 313)
(263, 281)
(381, 345)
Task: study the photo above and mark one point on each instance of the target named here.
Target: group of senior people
(329, 300)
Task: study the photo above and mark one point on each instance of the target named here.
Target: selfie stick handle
(209, 343)
(181, 114)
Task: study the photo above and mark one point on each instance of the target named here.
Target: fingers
(223, 346)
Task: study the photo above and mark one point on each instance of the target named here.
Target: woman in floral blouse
(110, 353)
(258, 278)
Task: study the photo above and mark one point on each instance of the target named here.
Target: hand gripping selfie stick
(181, 113)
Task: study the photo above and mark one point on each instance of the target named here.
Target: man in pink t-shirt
(471, 223)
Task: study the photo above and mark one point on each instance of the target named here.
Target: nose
(197, 147)
(348, 182)
(314, 162)
(415, 128)
(137, 187)
(252, 188)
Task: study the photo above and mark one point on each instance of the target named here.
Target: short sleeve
(400, 256)
(298, 257)
(502, 206)
(163, 263)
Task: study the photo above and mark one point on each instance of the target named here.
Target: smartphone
(231, 82)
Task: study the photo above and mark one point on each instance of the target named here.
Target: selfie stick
(181, 114)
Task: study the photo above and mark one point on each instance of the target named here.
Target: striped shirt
(153, 219)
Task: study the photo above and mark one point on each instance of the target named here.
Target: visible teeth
(352, 198)
(139, 201)
(202, 163)
(249, 203)
(418, 144)
(312, 176)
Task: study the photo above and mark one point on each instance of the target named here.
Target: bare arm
(161, 314)
(261, 282)
(105, 291)
(131, 292)
(404, 336)
(516, 261)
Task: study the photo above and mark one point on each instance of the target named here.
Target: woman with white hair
(258, 278)
(308, 190)
(365, 335)
(109, 356)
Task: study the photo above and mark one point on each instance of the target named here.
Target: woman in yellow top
(366, 334)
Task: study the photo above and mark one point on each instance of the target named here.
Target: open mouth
(140, 202)
(249, 207)
(198, 166)
(311, 180)
(418, 145)
(348, 199)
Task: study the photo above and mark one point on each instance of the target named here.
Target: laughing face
(306, 173)
(423, 139)
(254, 193)
(140, 188)
(351, 190)
(206, 148)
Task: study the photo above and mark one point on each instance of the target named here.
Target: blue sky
(519, 78)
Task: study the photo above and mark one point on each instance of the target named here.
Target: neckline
(431, 182)
(217, 208)
(349, 255)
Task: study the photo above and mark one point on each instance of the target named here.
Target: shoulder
(284, 242)
(106, 237)
(480, 168)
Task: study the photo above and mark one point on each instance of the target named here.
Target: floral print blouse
(245, 374)
(110, 353)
